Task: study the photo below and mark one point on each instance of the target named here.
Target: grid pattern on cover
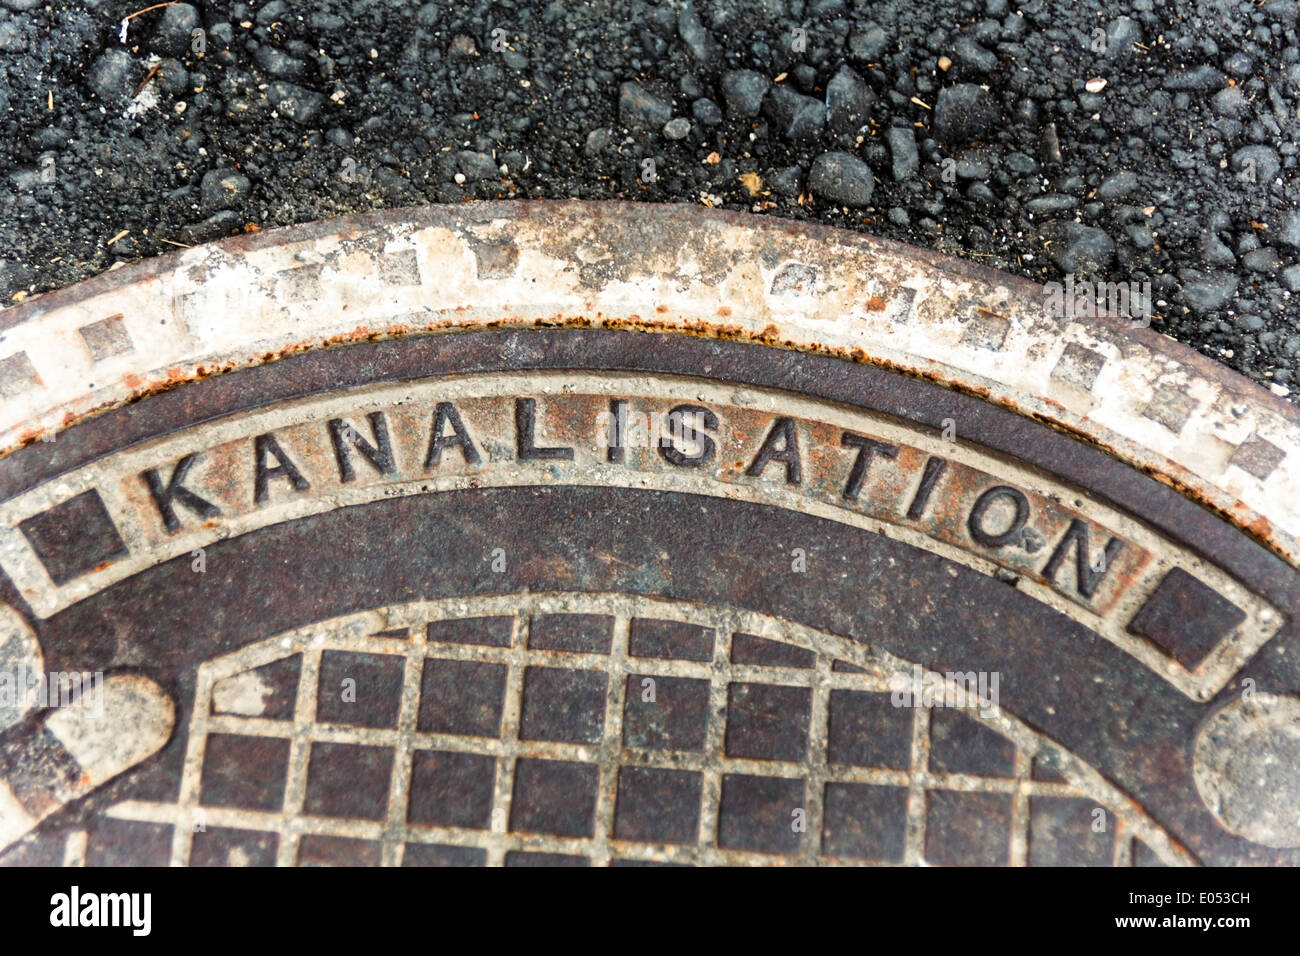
(580, 729)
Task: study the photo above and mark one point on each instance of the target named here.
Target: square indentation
(867, 730)
(667, 713)
(1046, 766)
(670, 640)
(484, 631)
(1078, 366)
(529, 858)
(74, 537)
(441, 854)
(400, 267)
(865, 822)
(106, 338)
(461, 697)
(795, 278)
(451, 789)
(656, 805)
(318, 849)
(1061, 833)
(968, 829)
(1257, 456)
(348, 780)
(496, 260)
(247, 773)
(960, 743)
(1171, 407)
(269, 691)
(128, 843)
(986, 330)
(220, 846)
(360, 690)
(764, 652)
(574, 633)
(49, 853)
(563, 705)
(624, 862)
(1186, 617)
(759, 813)
(17, 374)
(768, 721)
(299, 285)
(554, 796)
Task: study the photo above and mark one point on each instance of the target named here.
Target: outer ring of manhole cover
(571, 532)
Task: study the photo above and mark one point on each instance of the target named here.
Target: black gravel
(966, 127)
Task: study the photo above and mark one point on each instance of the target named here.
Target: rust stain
(876, 304)
(1259, 528)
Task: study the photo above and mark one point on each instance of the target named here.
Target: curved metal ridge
(1150, 401)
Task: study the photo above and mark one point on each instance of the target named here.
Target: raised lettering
(379, 454)
(1086, 579)
(445, 414)
(679, 425)
(787, 451)
(868, 448)
(934, 469)
(976, 521)
(525, 426)
(174, 491)
(264, 447)
(617, 430)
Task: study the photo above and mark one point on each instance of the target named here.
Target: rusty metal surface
(598, 596)
(251, 299)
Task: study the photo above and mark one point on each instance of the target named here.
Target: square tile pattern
(604, 739)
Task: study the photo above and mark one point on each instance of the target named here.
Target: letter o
(976, 521)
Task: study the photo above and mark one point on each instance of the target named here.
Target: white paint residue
(245, 694)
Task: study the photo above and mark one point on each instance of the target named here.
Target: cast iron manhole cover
(568, 534)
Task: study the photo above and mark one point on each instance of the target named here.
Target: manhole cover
(588, 534)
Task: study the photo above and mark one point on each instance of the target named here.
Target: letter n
(380, 454)
(1085, 577)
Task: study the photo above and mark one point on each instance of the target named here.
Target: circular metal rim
(447, 361)
(1152, 402)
